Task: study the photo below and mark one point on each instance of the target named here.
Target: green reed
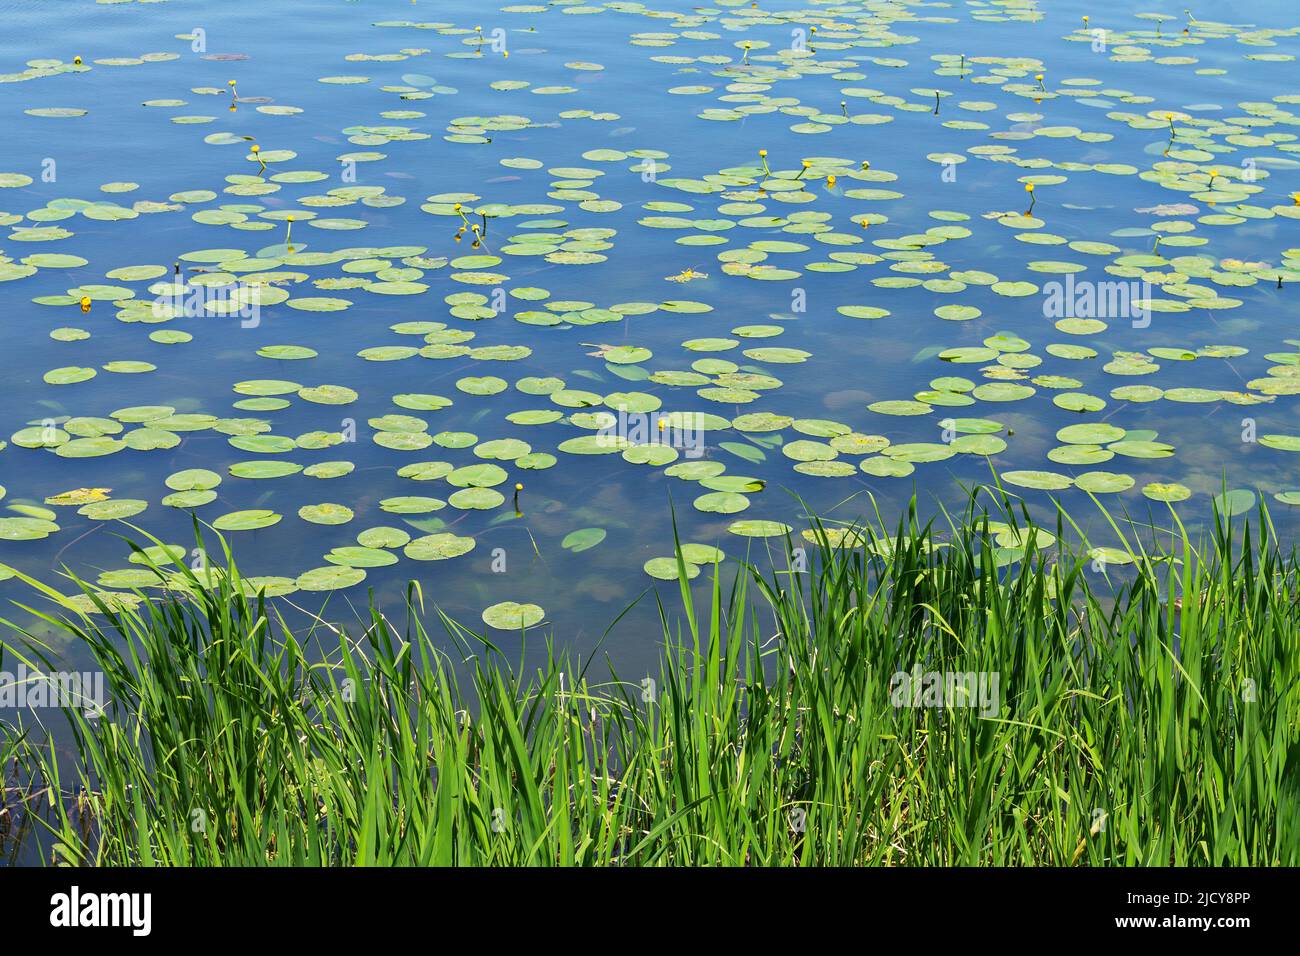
(1147, 714)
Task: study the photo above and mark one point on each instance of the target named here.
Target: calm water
(410, 102)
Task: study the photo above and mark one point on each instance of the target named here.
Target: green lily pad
(115, 508)
(509, 616)
(1160, 491)
(250, 520)
(330, 578)
(583, 539)
(1045, 480)
(438, 547)
(665, 569)
(327, 513)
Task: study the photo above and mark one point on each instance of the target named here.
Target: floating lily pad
(666, 569)
(330, 578)
(326, 513)
(250, 520)
(509, 616)
(437, 547)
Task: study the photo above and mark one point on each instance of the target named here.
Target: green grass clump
(1147, 714)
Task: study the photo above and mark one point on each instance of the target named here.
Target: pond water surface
(734, 262)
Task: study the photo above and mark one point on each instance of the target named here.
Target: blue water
(283, 49)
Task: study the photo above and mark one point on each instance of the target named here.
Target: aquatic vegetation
(792, 718)
(876, 308)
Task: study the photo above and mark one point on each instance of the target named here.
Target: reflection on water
(614, 149)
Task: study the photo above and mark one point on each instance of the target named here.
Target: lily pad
(510, 616)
